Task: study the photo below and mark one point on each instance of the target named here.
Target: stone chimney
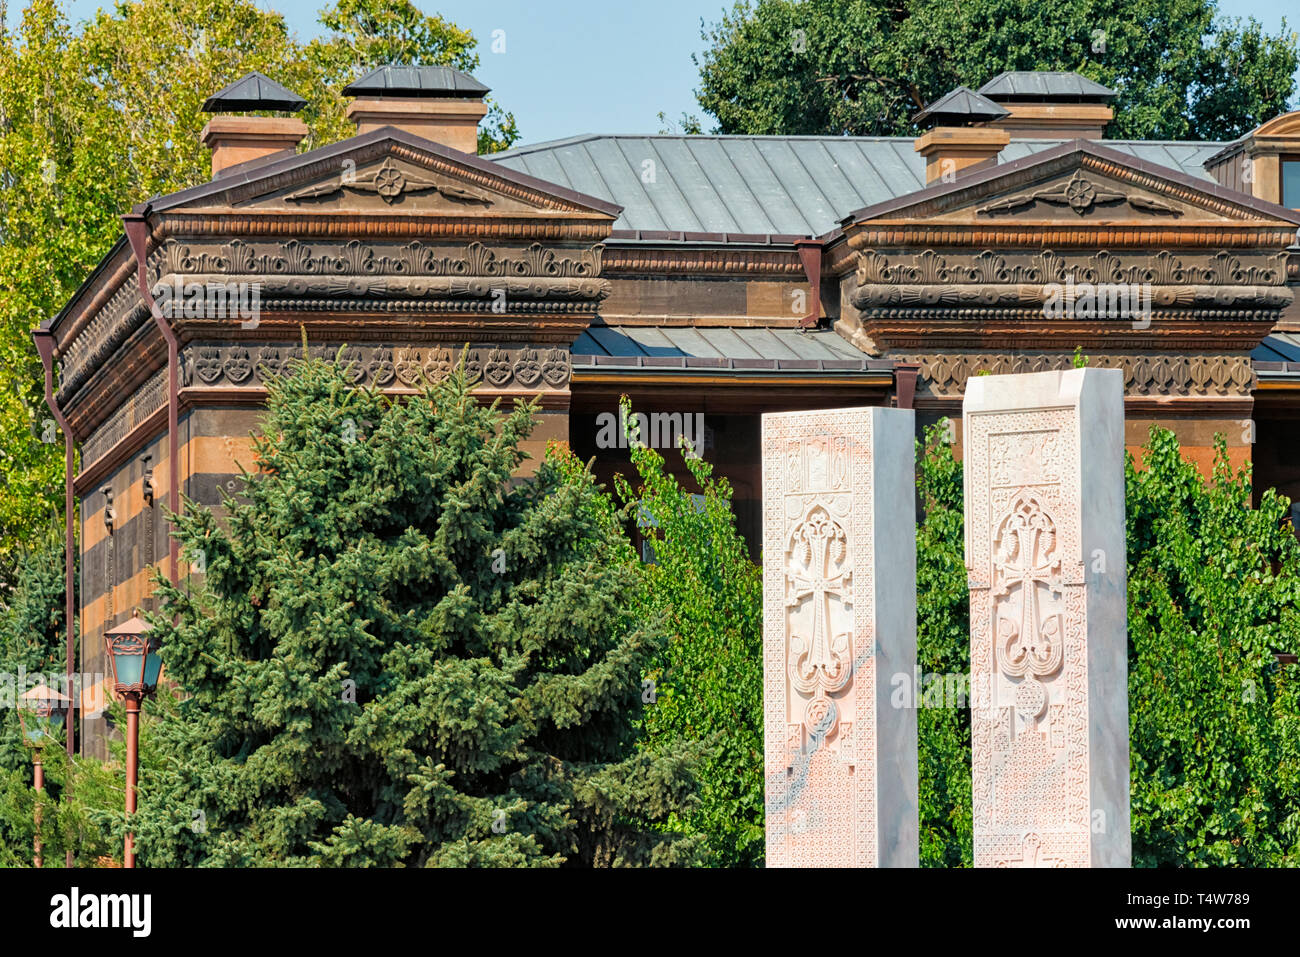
(1264, 163)
(433, 102)
(1043, 105)
(960, 134)
(235, 140)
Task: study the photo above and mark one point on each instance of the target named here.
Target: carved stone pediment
(1084, 195)
(392, 184)
(387, 171)
(1075, 188)
(1087, 196)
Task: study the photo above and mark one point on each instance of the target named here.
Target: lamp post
(40, 715)
(133, 656)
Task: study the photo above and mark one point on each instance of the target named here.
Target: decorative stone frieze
(205, 365)
(1158, 374)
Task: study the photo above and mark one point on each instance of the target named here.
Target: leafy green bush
(400, 655)
(708, 679)
(1214, 591)
(942, 649)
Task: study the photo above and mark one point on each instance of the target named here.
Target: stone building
(713, 276)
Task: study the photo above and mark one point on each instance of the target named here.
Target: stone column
(839, 601)
(1044, 480)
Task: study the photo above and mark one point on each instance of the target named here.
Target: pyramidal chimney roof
(255, 91)
(1044, 85)
(405, 81)
(959, 107)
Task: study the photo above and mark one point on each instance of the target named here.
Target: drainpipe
(905, 375)
(44, 339)
(810, 254)
(137, 234)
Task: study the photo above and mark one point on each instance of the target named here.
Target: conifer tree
(401, 655)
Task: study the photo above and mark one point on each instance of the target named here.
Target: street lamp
(133, 656)
(41, 711)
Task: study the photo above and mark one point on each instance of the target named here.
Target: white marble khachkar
(1044, 484)
(839, 604)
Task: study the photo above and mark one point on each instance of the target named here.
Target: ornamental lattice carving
(1029, 723)
(818, 640)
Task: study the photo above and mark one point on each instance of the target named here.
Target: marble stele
(839, 599)
(1044, 486)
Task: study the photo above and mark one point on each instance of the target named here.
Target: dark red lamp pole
(41, 711)
(133, 656)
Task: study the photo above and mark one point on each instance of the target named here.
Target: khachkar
(839, 601)
(1044, 479)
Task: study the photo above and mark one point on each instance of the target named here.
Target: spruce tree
(401, 654)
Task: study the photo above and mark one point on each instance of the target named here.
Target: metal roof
(254, 91)
(1187, 158)
(395, 80)
(700, 347)
(765, 185)
(1044, 84)
(1277, 348)
(962, 104)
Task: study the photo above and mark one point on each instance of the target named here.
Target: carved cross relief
(818, 585)
(1028, 614)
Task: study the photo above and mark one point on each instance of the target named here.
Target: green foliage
(942, 649)
(864, 68)
(708, 680)
(400, 655)
(103, 115)
(1214, 590)
(31, 643)
(1079, 360)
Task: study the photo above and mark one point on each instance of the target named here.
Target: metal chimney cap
(256, 91)
(398, 80)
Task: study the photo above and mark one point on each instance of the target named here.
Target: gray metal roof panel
(1044, 83)
(752, 347)
(393, 79)
(1278, 347)
(787, 186)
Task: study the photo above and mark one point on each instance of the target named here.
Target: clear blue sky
(607, 66)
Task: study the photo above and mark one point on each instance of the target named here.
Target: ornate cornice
(629, 260)
(1013, 235)
(385, 224)
(980, 300)
(358, 259)
(504, 285)
(989, 267)
(388, 367)
(945, 375)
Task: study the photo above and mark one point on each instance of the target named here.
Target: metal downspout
(44, 340)
(137, 234)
